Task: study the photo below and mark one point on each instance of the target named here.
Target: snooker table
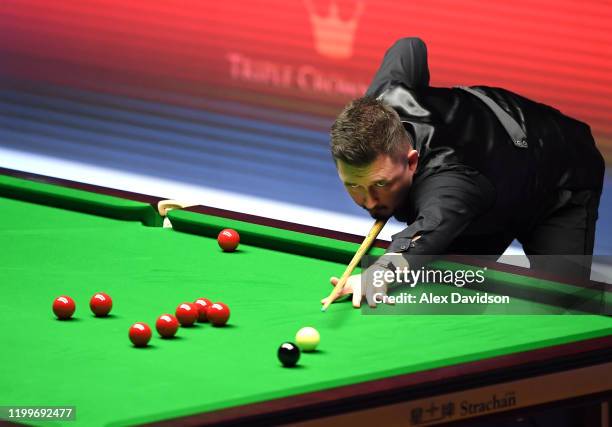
(64, 237)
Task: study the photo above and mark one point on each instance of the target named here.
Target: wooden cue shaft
(367, 242)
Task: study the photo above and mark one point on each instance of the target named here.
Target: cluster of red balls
(202, 310)
(100, 304)
(186, 314)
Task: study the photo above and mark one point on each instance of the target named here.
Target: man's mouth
(378, 212)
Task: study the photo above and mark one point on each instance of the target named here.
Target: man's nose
(370, 201)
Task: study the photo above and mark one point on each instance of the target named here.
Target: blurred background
(229, 103)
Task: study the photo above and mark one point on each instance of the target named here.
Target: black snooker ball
(288, 354)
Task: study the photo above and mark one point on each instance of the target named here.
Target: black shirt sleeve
(444, 204)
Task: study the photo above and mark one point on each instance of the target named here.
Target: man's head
(374, 155)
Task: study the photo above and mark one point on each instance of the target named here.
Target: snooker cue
(367, 242)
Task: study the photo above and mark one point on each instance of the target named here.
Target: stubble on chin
(380, 215)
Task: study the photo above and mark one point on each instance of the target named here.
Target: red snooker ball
(187, 313)
(63, 307)
(101, 304)
(202, 304)
(166, 325)
(140, 334)
(218, 314)
(228, 239)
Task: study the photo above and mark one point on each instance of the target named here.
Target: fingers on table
(374, 293)
(357, 295)
(357, 289)
(347, 289)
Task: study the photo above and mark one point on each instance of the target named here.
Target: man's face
(382, 185)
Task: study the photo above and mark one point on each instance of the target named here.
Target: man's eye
(352, 185)
(381, 183)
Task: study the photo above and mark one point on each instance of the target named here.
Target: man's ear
(413, 159)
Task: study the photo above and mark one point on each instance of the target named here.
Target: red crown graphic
(333, 36)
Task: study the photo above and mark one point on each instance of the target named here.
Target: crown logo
(333, 36)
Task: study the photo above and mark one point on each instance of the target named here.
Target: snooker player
(468, 169)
